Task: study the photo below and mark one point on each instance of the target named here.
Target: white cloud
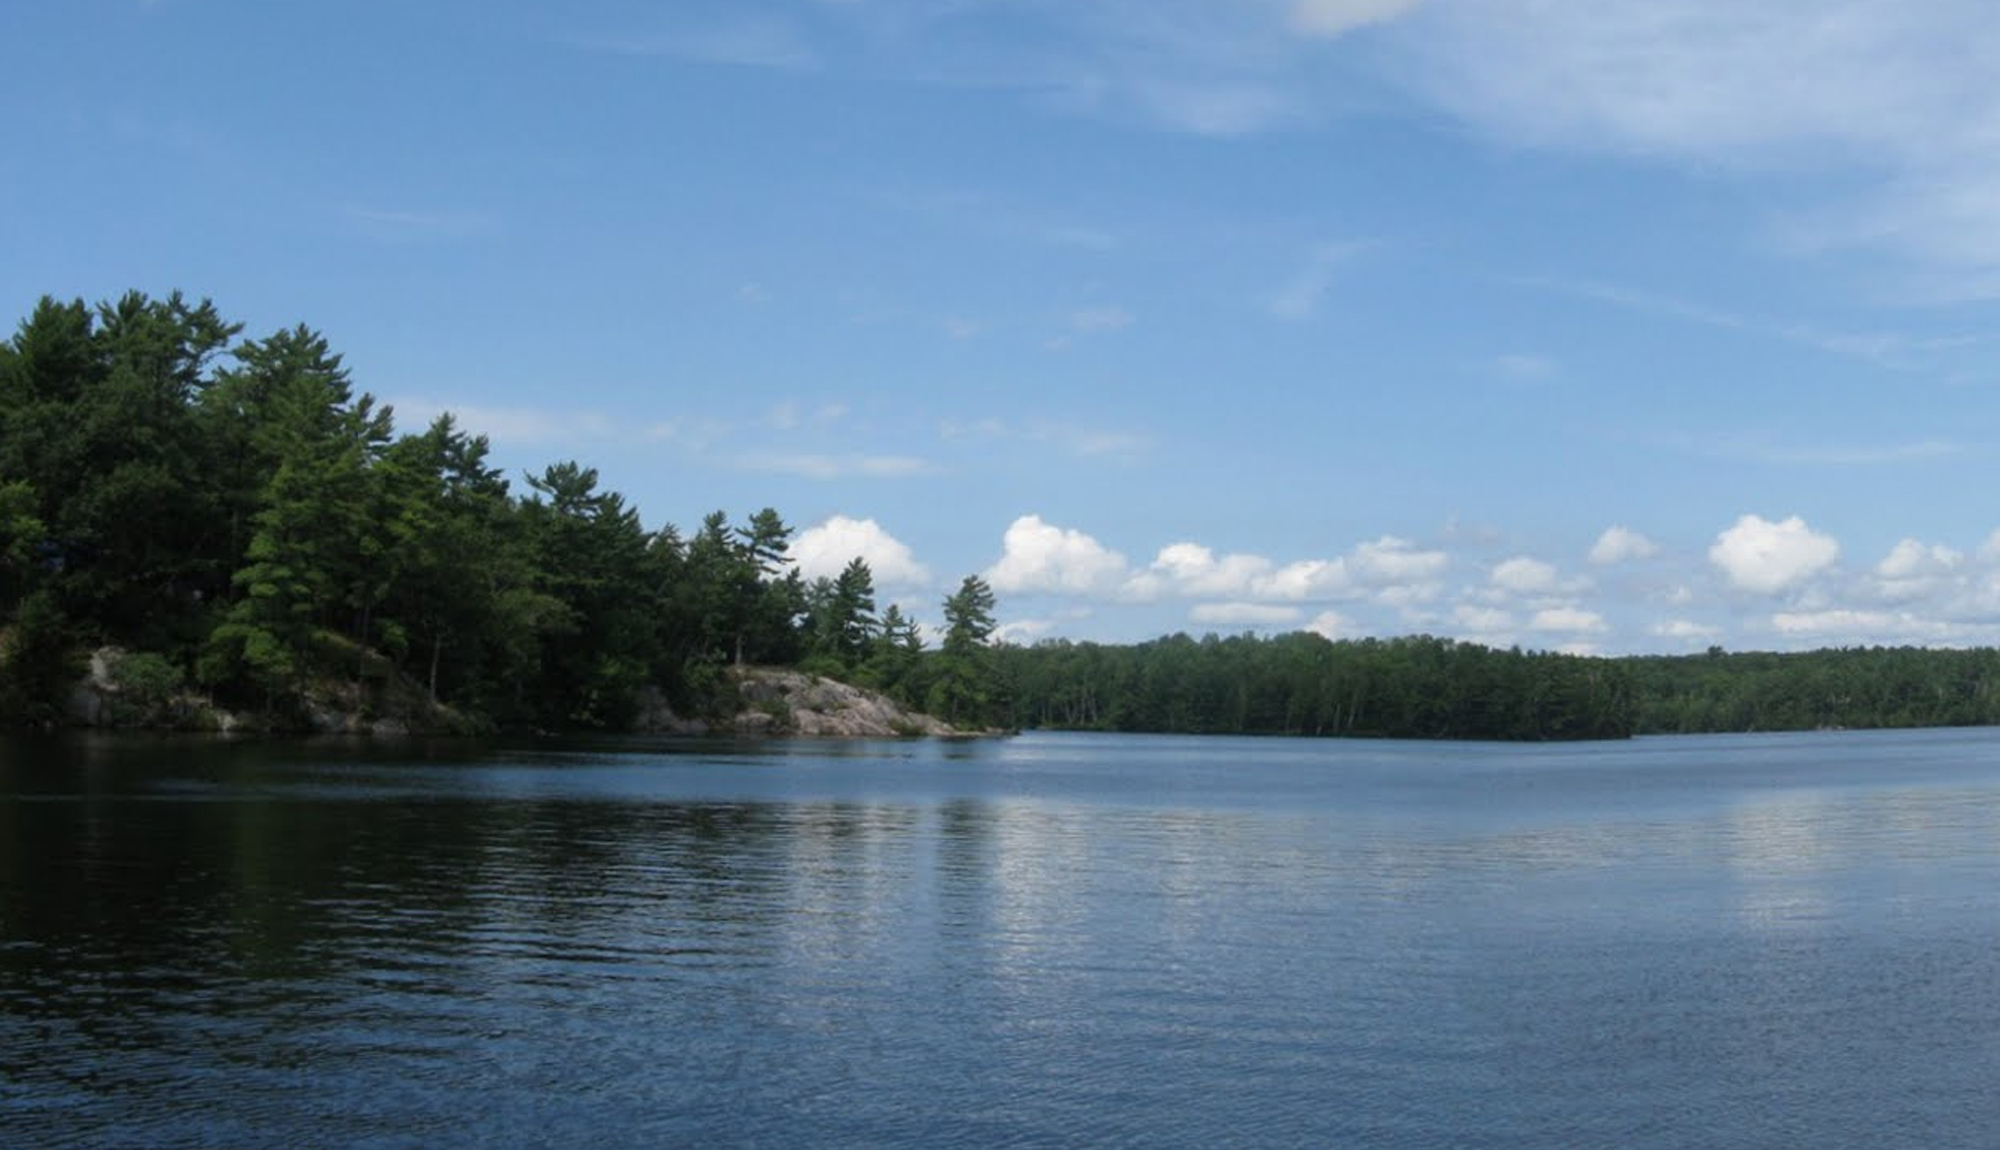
(1087, 442)
(1191, 569)
(1685, 629)
(1023, 631)
(1839, 620)
(1620, 544)
(1306, 579)
(1338, 17)
(1912, 570)
(1038, 556)
(830, 546)
(1300, 297)
(1524, 576)
(1329, 625)
(1759, 555)
(1392, 560)
(1243, 614)
(1488, 625)
(510, 425)
(1910, 559)
(1568, 620)
(814, 466)
(1898, 91)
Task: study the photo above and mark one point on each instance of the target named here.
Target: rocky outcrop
(137, 690)
(126, 690)
(776, 701)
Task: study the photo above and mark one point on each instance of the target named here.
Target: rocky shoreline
(779, 701)
(121, 691)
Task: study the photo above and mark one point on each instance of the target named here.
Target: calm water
(1052, 940)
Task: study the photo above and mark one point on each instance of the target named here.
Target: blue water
(1773, 940)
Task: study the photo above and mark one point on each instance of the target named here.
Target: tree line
(243, 523)
(1303, 684)
(235, 514)
(1425, 687)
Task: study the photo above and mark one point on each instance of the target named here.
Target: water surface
(1051, 940)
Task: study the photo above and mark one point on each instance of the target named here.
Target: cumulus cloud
(832, 545)
(1191, 569)
(1759, 555)
(1621, 544)
(1482, 620)
(1912, 570)
(1685, 629)
(1910, 559)
(1393, 560)
(1329, 625)
(1023, 631)
(1524, 576)
(1038, 556)
(1243, 614)
(1568, 620)
(1388, 569)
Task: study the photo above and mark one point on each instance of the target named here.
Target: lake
(1764, 940)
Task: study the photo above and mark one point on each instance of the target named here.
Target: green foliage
(1857, 687)
(239, 509)
(965, 689)
(149, 678)
(1302, 684)
(37, 661)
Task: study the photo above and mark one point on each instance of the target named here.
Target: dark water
(1053, 940)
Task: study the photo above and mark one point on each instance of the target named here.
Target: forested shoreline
(235, 521)
(1425, 687)
(238, 524)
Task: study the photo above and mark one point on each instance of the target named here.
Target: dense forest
(1302, 684)
(1424, 687)
(240, 523)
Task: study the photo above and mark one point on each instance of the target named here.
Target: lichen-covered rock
(783, 702)
(123, 689)
(145, 691)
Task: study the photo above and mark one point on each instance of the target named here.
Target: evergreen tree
(965, 691)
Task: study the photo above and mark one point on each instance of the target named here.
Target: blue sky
(1604, 325)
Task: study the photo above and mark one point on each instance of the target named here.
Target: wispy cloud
(815, 466)
(1075, 439)
(1893, 350)
(751, 42)
(1098, 320)
(1831, 454)
(514, 426)
(1300, 297)
(1894, 95)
